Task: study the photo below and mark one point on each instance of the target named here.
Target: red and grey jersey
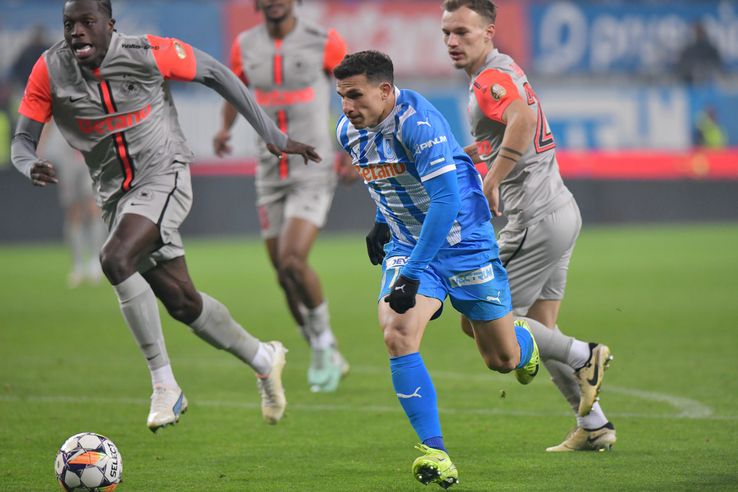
(290, 80)
(534, 187)
(121, 116)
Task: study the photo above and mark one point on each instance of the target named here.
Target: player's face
(364, 103)
(87, 31)
(468, 38)
(276, 10)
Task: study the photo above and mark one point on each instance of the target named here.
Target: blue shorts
(473, 278)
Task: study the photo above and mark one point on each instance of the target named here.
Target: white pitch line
(306, 407)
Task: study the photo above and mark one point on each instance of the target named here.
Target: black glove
(402, 296)
(375, 241)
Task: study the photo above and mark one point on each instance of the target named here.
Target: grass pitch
(663, 298)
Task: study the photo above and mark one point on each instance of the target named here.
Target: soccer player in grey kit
(108, 94)
(287, 62)
(513, 139)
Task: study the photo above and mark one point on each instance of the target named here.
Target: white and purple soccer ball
(88, 461)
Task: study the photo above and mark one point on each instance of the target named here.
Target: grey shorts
(537, 258)
(75, 184)
(165, 200)
(310, 201)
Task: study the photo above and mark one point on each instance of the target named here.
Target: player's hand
(403, 294)
(492, 192)
(220, 143)
(293, 147)
(43, 173)
(375, 241)
(345, 169)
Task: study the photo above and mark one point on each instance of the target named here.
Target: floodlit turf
(664, 298)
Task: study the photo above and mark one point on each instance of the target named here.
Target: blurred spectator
(5, 125)
(708, 133)
(700, 60)
(28, 56)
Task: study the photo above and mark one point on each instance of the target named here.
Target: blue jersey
(412, 145)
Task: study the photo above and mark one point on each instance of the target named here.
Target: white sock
(317, 325)
(594, 420)
(163, 376)
(262, 361)
(578, 354)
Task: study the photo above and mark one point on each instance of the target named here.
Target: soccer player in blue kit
(429, 198)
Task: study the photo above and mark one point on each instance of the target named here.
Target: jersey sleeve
(494, 91)
(426, 136)
(335, 51)
(36, 102)
(237, 61)
(175, 59)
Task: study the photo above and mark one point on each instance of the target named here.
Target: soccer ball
(88, 461)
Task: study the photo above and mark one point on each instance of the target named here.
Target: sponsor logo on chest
(381, 171)
(114, 123)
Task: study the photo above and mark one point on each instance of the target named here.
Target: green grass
(664, 298)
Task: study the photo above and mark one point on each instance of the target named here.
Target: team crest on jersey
(180, 51)
(498, 92)
(131, 88)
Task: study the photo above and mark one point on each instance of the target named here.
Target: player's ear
(386, 89)
(490, 30)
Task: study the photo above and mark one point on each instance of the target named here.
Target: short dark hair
(375, 65)
(104, 6)
(485, 8)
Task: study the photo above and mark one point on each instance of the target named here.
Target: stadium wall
(224, 205)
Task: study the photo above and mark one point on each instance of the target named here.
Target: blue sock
(525, 340)
(417, 396)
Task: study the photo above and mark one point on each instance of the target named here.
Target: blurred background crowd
(633, 90)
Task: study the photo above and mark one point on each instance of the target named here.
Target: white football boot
(166, 406)
(273, 401)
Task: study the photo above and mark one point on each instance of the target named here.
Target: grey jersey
(289, 78)
(121, 116)
(534, 187)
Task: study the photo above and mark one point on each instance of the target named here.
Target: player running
(109, 96)
(429, 195)
(287, 63)
(513, 138)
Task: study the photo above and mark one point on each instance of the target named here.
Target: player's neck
(281, 28)
(473, 68)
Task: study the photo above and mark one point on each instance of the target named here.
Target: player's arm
(377, 238)
(437, 170)
(34, 112)
(179, 61)
(499, 99)
(23, 153)
(520, 127)
(229, 112)
(473, 153)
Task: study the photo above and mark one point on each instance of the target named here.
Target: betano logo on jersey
(381, 171)
(113, 124)
(430, 143)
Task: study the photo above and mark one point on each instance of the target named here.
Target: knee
(397, 340)
(117, 264)
(291, 266)
(501, 362)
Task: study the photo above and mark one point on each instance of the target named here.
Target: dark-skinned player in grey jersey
(109, 95)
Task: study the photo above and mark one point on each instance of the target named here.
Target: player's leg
(410, 378)
(95, 234)
(293, 302)
(483, 297)
(306, 208)
(212, 322)
(75, 239)
(327, 364)
(131, 240)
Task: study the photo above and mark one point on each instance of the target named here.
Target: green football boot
(525, 374)
(434, 466)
